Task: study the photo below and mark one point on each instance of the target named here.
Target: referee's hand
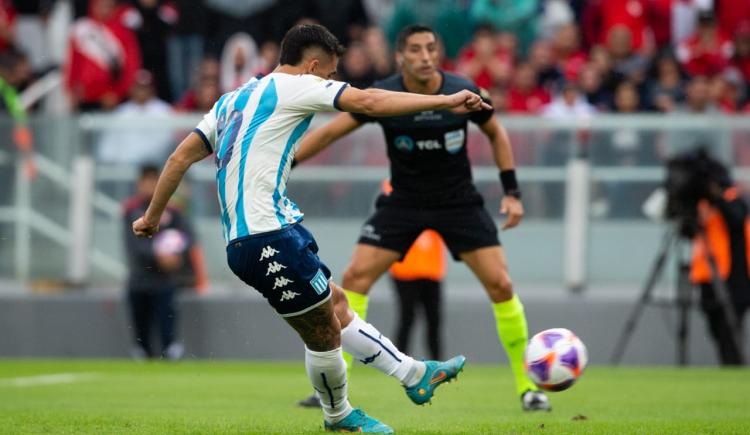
(512, 207)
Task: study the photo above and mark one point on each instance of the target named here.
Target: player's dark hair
(304, 36)
(148, 170)
(409, 30)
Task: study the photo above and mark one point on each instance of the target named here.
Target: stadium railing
(65, 224)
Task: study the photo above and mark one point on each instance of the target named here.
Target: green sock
(358, 303)
(513, 334)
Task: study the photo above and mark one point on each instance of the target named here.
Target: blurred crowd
(534, 56)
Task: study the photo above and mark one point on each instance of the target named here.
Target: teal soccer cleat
(358, 421)
(436, 373)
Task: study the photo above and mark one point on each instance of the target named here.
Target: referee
(433, 189)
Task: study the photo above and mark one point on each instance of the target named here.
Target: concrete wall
(94, 324)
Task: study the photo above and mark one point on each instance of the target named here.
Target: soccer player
(432, 188)
(254, 132)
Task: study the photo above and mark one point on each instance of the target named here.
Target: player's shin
(358, 303)
(327, 372)
(365, 343)
(513, 333)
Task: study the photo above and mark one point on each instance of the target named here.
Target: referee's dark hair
(304, 36)
(409, 30)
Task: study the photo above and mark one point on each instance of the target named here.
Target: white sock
(327, 372)
(370, 347)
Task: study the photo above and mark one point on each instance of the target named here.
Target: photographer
(715, 217)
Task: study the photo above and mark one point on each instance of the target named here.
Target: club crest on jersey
(454, 141)
(404, 143)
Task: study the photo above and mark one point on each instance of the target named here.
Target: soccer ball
(555, 358)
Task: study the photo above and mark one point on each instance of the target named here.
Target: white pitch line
(51, 379)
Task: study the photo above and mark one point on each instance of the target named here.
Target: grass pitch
(118, 397)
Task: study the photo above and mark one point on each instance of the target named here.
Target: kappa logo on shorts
(288, 295)
(281, 282)
(274, 268)
(267, 253)
(319, 282)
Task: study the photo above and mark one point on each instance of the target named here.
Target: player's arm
(191, 150)
(503, 153)
(319, 139)
(388, 103)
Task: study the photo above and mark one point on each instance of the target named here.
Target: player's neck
(430, 87)
(289, 69)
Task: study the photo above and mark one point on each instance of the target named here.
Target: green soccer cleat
(435, 374)
(358, 421)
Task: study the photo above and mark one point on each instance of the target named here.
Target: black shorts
(463, 228)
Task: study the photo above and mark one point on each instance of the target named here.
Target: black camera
(691, 177)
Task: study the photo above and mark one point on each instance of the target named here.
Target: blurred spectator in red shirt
(601, 17)
(485, 61)
(567, 48)
(7, 24)
(526, 96)
(731, 14)
(208, 72)
(206, 95)
(708, 51)
(201, 98)
(103, 58)
(741, 59)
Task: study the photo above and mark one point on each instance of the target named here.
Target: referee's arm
(319, 139)
(503, 153)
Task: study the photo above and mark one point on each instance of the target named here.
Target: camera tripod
(674, 241)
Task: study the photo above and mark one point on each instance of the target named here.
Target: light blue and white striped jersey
(254, 132)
